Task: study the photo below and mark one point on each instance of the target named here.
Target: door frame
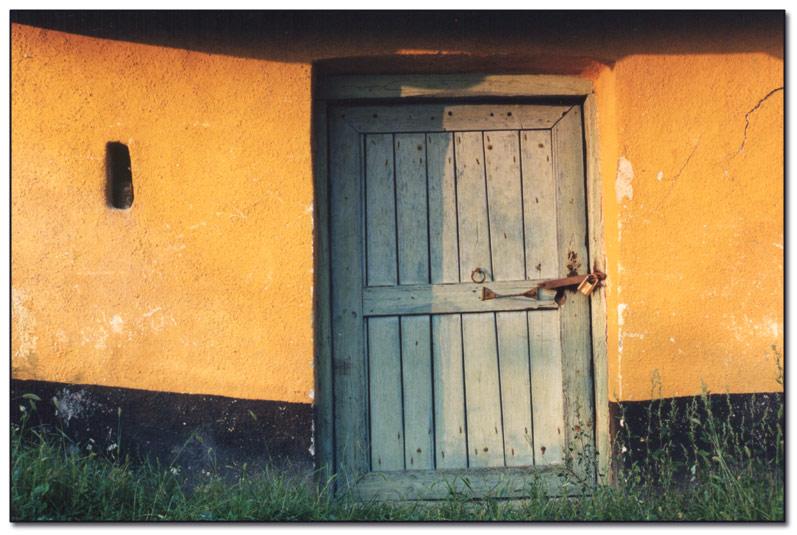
(429, 88)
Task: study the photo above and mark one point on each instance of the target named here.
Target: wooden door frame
(412, 88)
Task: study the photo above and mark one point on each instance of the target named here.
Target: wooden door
(434, 388)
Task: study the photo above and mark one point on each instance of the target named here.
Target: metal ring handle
(473, 275)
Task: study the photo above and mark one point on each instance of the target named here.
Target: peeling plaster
(26, 324)
(625, 174)
(116, 323)
(621, 308)
(102, 337)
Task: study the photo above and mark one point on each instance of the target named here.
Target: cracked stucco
(747, 115)
(699, 268)
(213, 264)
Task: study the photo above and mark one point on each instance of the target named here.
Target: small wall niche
(118, 175)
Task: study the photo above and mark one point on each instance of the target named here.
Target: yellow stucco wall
(205, 285)
(693, 206)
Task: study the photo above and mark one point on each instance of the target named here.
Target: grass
(719, 474)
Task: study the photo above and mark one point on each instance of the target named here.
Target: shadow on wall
(310, 36)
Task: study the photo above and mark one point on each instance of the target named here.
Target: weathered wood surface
(481, 194)
(321, 315)
(450, 298)
(597, 261)
(505, 202)
(576, 346)
(482, 391)
(380, 210)
(482, 388)
(513, 352)
(413, 263)
(443, 245)
(387, 427)
(449, 392)
(453, 117)
(443, 484)
(417, 380)
(384, 343)
(451, 85)
(539, 201)
(351, 382)
(411, 208)
(546, 386)
(474, 229)
(505, 207)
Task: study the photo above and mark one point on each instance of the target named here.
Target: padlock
(589, 284)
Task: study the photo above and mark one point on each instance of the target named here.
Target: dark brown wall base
(642, 427)
(159, 425)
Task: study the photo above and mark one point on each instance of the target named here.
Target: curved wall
(205, 285)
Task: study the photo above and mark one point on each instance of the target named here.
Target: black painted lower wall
(639, 428)
(160, 425)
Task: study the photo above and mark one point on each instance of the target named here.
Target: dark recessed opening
(118, 175)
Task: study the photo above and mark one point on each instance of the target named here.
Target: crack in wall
(672, 180)
(747, 115)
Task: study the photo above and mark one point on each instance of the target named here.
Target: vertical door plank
(474, 230)
(411, 209)
(513, 353)
(413, 260)
(598, 298)
(505, 203)
(573, 259)
(546, 386)
(483, 404)
(387, 432)
(443, 248)
(485, 430)
(380, 210)
(387, 429)
(349, 365)
(449, 395)
(539, 200)
(417, 379)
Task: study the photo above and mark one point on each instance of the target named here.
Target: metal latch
(585, 284)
